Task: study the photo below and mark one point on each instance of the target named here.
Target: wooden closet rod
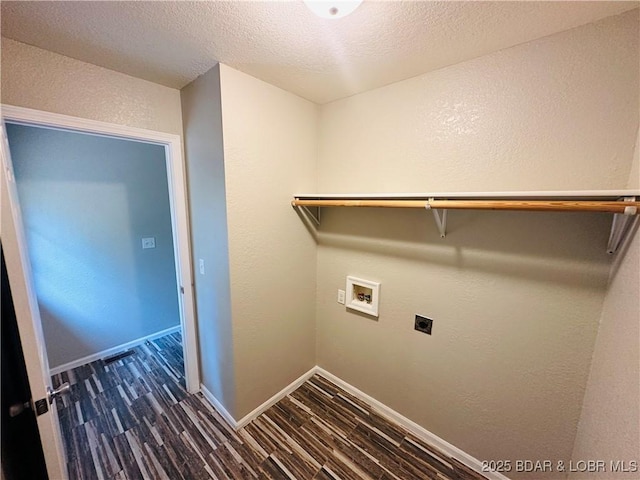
(630, 208)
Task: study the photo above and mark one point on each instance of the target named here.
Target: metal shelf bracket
(621, 226)
(315, 215)
(441, 221)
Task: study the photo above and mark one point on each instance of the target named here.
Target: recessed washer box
(363, 295)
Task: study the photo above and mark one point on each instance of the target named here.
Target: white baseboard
(219, 407)
(276, 398)
(256, 412)
(111, 351)
(420, 432)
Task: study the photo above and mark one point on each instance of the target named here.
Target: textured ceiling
(283, 43)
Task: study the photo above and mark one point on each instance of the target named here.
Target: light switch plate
(149, 242)
(341, 296)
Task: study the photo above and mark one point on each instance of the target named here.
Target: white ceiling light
(332, 8)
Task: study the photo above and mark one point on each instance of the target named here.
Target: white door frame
(18, 263)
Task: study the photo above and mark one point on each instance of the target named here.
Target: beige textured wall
(515, 119)
(634, 174)
(203, 145)
(516, 297)
(42, 80)
(609, 427)
(270, 151)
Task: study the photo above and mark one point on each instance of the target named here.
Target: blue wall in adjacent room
(87, 201)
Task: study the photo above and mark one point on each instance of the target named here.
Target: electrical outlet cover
(149, 242)
(423, 324)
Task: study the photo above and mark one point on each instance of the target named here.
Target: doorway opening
(105, 229)
(97, 221)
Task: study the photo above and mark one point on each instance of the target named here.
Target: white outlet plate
(201, 266)
(149, 242)
(341, 296)
(363, 295)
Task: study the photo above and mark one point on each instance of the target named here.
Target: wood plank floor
(133, 419)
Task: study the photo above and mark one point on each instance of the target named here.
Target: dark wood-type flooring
(133, 419)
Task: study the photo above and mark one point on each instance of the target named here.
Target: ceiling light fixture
(332, 8)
